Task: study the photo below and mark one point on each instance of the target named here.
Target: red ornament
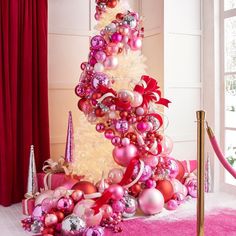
(111, 3)
(166, 188)
(60, 216)
(181, 173)
(85, 186)
(48, 231)
(136, 189)
(99, 112)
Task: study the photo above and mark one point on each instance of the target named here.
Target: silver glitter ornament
(73, 225)
(130, 20)
(130, 206)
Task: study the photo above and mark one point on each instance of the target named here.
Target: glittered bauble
(94, 231)
(50, 220)
(130, 206)
(100, 78)
(122, 126)
(65, 204)
(47, 204)
(85, 186)
(151, 201)
(130, 20)
(73, 225)
(147, 173)
(123, 155)
(36, 227)
(166, 188)
(38, 212)
(115, 175)
(118, 206)
(181, 172)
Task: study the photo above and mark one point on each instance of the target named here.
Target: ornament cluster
(148, 178)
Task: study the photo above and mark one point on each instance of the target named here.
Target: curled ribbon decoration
(150, 91)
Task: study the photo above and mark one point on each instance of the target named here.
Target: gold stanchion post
(200, 172)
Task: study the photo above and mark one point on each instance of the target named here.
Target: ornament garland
(148, 177)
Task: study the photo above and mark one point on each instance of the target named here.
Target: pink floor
(221, 223)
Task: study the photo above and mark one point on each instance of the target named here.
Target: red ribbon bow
(149, 89)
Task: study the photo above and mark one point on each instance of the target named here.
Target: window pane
(229, 4)
(230, 153)
(230, 101)
(230, 44)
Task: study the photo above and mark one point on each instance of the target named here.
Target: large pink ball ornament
(151, 201)
(117, 192)
(123, 155)
(111, 62)
(136, 44)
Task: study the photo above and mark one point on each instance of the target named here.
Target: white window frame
(224, 15)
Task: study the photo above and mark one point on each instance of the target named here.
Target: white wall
(70, 27)
(183, 72)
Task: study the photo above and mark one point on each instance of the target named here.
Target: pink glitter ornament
(97, 42)
(118, 206)
(94, 231)
(122, 126)
(100, 56)
(172, 205)
(65, 204)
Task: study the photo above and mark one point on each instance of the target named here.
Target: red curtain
(23, 93)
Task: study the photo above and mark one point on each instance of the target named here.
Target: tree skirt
(221, 222)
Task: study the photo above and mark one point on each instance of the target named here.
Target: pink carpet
(220, 223)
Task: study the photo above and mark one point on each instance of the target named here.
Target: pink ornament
(122, 126)
(179, 187)
(94, 231)
(100, 56)
(115, 175)
(116, 141)
(125, 141)
(142, 126)
(109, 134)
(124, 30)
(139, 111)
(151, 160)
(77, 195)
(47, 205)
(116, 37)
(147, 173)
(173, 168)
(50, 220)
(65, 204)
(172, 205)
(38, 212)
(117, 191)
(125, 95)
(112, 49)
(136, 44)
(137, 99)
(97, 42)
(46, 194)
(102, 185)
(118, 206)
(123, 155)
(98, 67)
(100, 127)
(111, 62)
(84, 211)
(150, 183)
(151, 201)
(100, 78)
(167, 145)
(106, 211)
